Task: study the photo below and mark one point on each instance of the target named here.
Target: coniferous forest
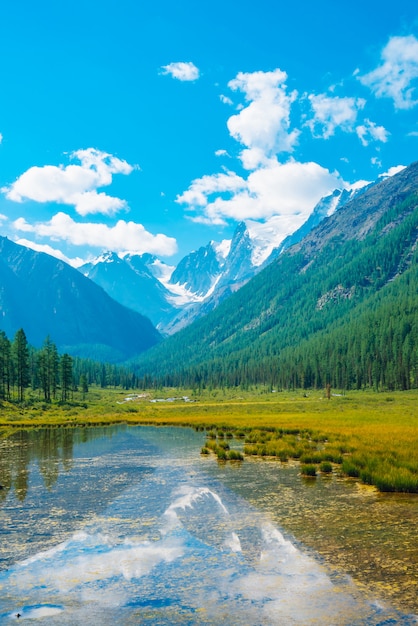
(51, 375)
(346, 315)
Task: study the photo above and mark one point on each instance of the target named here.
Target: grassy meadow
(366, 435)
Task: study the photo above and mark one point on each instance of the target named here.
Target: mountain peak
(78, 315)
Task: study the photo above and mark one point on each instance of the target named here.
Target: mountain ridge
(47, 297)
(206, 276)
(351, 255)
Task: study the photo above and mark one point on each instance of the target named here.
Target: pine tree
(66, 375)
(48, 361)
(20, 357)
(5, 366)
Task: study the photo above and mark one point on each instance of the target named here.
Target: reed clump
(221, 449)
(308, 470)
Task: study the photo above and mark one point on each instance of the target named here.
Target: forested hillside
(341, 308)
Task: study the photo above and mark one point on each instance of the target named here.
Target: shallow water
(129, 525)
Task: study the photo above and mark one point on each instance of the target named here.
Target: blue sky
(157, 126)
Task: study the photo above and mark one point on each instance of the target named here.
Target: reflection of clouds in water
(37, 612)
(84, 561)
(207, 555)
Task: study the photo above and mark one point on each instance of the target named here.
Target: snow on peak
(161, 271)
(333, 204)
(105, 257)
(222, 249)
(359, 184)
(264, 238)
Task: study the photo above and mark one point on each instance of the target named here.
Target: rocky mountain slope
(361, 261)
(174, 297)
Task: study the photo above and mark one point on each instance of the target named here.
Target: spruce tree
(20, 357)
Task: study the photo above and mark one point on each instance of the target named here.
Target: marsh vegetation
(368, 436)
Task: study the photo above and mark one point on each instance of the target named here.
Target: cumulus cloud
(398, 72)
(280, 193)
(201, 188)
(288, 191)
(1, 137)
(369, 131)
(331, 113)
(182, 71)
(76, 262)
(74, 185)
(120, 237)
(263, 126)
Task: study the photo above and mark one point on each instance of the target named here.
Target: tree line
(21, 367)
(54, 376)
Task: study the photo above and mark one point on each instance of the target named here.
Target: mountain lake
(132, 525)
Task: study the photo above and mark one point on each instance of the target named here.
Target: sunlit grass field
(367, 435)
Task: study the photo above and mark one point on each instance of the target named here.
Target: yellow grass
(380, 429)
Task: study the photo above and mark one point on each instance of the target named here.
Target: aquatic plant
(326, 467)
(308, 470)
(235, 455)
(221, 454)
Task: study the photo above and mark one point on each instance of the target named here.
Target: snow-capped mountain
(173, 297)
(198, 271)
(136, 281)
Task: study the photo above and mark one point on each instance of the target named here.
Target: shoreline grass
(367, 435)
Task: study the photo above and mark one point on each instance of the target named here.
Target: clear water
(128, 525)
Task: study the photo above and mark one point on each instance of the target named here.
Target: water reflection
(51, 449)
(131, 525)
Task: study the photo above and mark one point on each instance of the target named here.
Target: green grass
(367, 435)
(308, 470)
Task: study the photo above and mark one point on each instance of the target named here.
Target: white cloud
(359, 184)
(288, 191)
(120, 237)
(263, 126)
(331, 113)
(182, 71)
(369, 131)
(76, 262)
(221, 153)
(74, 185)
(282, 194)
(225, 99)
(392, 171)
(201, 188)
(1, 137)
(395, 76)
